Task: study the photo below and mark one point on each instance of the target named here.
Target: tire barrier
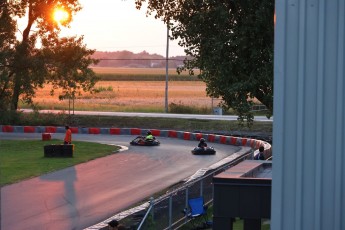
(222, 139)
(58, 150)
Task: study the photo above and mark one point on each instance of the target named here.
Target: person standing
(68, 136)
(113, 225)
(260, 155)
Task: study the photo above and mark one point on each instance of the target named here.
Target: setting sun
(60, 15)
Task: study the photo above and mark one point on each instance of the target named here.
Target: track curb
(213, 138)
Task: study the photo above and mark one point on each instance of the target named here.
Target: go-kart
(142, 141)
(203, 151)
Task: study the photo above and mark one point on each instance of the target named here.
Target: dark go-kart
(204, 151)
(142, 141)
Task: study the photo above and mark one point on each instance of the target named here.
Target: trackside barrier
(222, 139)
(176, 200)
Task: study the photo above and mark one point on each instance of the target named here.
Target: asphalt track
(81, 196)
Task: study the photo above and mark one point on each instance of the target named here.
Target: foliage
(102, 89)
(232, 44)
(7, 39)
(10, 117)
(149, 223)
(38, 55)
(180, 108)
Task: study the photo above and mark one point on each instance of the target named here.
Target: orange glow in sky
(116, 25)
(60, 15)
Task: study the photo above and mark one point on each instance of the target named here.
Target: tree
(231, 42)
(7, 38)
(39, 56)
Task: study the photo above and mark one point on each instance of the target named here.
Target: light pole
(167, 70)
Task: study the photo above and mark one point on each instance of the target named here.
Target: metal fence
(166, 212)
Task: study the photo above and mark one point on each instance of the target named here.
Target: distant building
(155, 65)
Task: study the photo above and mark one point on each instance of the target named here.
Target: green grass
(237, 224)
(23, 159)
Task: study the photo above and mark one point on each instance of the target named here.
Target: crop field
(142, 74)
(131, 96)
(135, 71)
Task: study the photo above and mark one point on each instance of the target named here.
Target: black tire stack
(58, 150)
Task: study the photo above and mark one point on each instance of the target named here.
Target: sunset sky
(115, 25)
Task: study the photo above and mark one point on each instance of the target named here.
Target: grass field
(18, 162)
(132, 96)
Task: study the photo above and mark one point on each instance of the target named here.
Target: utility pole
(167, 70)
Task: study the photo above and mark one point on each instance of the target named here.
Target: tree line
(135, 60)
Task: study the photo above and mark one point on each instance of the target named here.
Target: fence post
(170, 211)
(152, 207)
(201, 187)
(150, 210)
(186, 204)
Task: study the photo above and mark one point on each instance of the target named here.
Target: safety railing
(166, 212)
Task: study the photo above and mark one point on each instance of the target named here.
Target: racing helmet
(148, 132)
(202, 140)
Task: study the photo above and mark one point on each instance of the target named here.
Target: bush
(10, 117)
(101, 89)
(184, 109)
(34, 118)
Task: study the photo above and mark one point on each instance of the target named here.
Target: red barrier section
(254, 143)
(172, 133)
(186, 136)
(116, 131)
(94, 130)
(155, 132)
(50, 129)
(222, 139)
(211, 138)
(233, 140)
(198, 136)
(244, 141)
(135, 131)
(74, 129)
(29, 129)
(7, 129)
(46, 136)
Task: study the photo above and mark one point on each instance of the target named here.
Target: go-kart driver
(149, 136)
(202, 143)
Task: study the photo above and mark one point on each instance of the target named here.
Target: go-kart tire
(201, 151)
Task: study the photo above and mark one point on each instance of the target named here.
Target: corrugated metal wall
(308, 187)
